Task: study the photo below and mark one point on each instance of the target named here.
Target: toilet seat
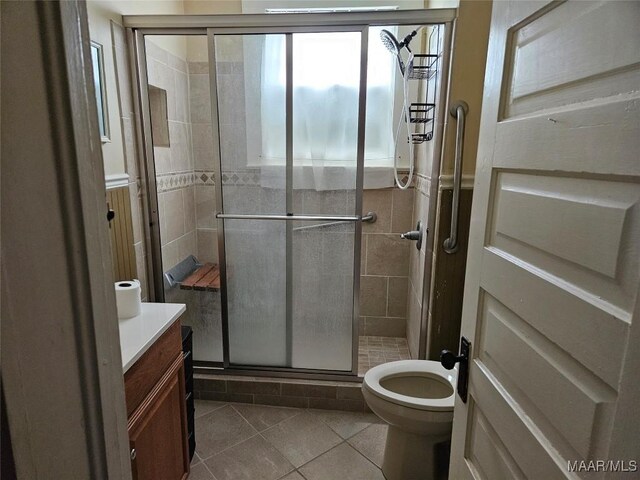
(408, 368)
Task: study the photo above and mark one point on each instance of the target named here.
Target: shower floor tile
(373, 351)
(335, 444)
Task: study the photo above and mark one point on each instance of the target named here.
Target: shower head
(391, 43)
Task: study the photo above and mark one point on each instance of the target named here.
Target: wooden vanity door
(157, 427)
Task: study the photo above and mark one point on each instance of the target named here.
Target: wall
(204, 161)
(102, 15)
(429, 267)
(417, 263)
(197, 46)
(120, 154)
(445, 309)
(101, 11)
(127, 124)
(385, 262)
(427, 161)
(100, 30)
(467, 79)
(174, 164)
(443, 315)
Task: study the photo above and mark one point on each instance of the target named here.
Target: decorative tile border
(241, 177)
(204, 178)
(174, 181)
(422, 184)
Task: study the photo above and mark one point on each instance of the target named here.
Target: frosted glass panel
(251, 124)
(289, 287)
(204, 316)
(256, 291)
(323, 297)
(326, 76)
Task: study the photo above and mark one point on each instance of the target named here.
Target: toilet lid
(408, 368)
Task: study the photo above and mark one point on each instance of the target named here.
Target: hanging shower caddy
(425, 70)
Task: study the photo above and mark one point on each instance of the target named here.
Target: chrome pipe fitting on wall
(414, 235)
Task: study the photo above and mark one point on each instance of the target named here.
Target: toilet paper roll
(128, 299)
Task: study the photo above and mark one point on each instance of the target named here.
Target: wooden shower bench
(206, 278)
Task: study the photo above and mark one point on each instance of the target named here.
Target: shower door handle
(370, 217)
(459, 111)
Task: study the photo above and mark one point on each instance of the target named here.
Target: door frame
(138, 26)
(62, 375)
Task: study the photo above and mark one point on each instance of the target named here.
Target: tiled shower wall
(385, 286)
(186, 186)
(417, 262)
(204, 158)
(174, 164)
(385, 262)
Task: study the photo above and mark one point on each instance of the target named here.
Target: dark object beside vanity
(187, 352)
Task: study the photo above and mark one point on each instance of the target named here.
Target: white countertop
(138, 333)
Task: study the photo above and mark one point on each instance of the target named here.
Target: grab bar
(459, 111)
(303, 218)
(370, 217)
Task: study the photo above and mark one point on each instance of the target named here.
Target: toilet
(415, 397)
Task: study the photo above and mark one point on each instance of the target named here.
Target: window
(326, 78)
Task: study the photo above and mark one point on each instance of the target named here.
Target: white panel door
(551, 300)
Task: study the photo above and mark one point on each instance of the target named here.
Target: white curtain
(326, 77)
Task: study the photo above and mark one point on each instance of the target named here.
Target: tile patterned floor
(373, 351)
(255, 442)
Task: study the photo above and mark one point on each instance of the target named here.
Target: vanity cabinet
(156, 410)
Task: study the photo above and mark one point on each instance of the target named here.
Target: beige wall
(467, 79)
(102, 10)
(197, 46)
(100, 31)
(210, 7)
(385, 262)
(101, 14)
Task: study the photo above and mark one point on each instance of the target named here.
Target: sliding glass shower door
(290, 113)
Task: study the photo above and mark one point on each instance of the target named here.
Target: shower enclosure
(287, 213)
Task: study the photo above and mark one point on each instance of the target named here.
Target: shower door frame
(139, 26)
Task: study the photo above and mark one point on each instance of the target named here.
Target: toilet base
(409, 456)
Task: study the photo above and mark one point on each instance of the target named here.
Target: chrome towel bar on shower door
(305, 218)
(459, 111)
(370, 217)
